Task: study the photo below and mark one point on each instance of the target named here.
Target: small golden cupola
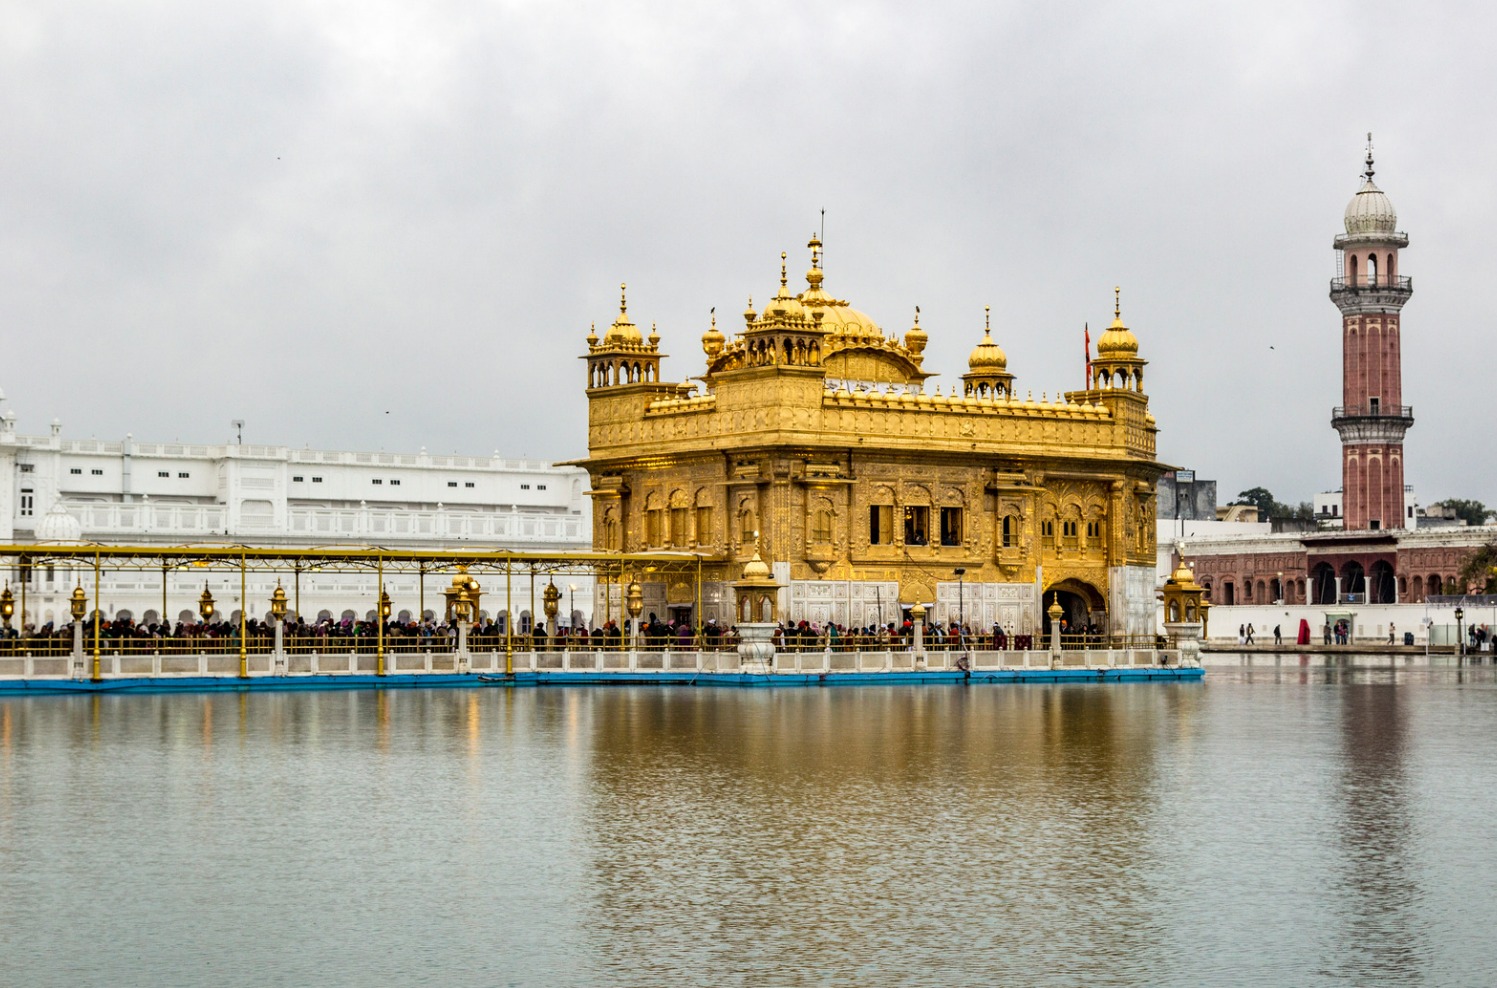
(713, 339)
(916, 338)
(987, 368)
(1118, 366)
(623, 331)
(622, 357)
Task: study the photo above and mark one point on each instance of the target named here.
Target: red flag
(1088, 356)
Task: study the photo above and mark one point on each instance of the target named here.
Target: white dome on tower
(1370, 212)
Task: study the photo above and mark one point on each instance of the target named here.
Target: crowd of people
(348, 633)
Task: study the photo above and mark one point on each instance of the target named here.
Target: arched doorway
(1353, 582)
(1381, 586)
(1323, 584)
(1083, 606)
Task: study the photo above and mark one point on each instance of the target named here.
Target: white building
(128, 492)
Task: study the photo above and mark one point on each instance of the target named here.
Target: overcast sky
(379, 225)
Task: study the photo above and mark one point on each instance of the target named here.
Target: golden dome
(756, 568)
(1118, 341)
(987, 355)
(622, 330)
(916, 338)
(837, 317)
(713, 339)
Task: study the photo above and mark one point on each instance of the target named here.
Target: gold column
(97, 677)
(243, 618)
(379, 604)
(163, 592)
(509, 618)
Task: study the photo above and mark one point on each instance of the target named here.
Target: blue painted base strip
(257, 684)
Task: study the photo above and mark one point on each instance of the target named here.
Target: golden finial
(917, 315)
(987, 319)
(783, 278)
(1117, 301)
(1369, 156)
(623, 298)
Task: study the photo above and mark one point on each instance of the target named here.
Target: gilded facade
(816, 436)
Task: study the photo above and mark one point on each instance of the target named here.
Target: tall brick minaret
(1372, 418)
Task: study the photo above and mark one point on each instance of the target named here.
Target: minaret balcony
(1372, 423)
(1359, 295)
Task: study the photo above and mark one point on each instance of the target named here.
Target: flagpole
(1088, 354)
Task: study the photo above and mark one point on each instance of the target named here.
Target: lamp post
(77, 606)
(1280, 587)
(635, 601)
(462, 607)
(551, 603)
(571, 607)
(961, 608)
(7, 606)
(278, 615)
(1460, 637)
(917, 617)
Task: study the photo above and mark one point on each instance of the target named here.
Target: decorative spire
(987, 320)
(1117, 302)
(592, 334)
(917, 315)
(623, 298)
(783, 278)
(1368, 172)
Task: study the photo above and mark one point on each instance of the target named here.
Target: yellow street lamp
(205, 604)
(634, 600)
(7, 605)
(278, 606)
(550, 601)
(278, 616)
(384, 605)
(78, 603)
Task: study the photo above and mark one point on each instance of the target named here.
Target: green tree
(1480, 571)
(1259, 497)
(1474, 512)
(1269, 508)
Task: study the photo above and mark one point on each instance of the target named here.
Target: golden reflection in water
(205, 730)
(801, 804)
(382, 719)
(472, 725)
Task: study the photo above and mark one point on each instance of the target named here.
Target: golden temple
(812, 436)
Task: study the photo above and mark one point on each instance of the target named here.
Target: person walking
(1250, 634)
(1278, 639)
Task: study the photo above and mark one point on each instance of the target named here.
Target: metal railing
(1373, 411)
(441, 642)
(1398, 284)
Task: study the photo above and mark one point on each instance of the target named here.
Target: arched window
(1388, 269)
(1351, 270)
(821, 525)
(1371, 269)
